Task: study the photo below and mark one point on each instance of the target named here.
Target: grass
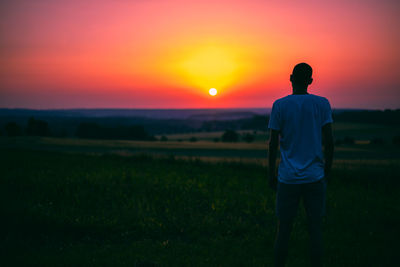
(61, 209)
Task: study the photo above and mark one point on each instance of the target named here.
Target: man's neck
(299, 92)
(299, 89)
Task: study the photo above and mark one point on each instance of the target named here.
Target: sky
(169, 53)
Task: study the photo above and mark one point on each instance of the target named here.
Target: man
(300, 123)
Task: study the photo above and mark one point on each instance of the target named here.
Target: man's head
(301, 77)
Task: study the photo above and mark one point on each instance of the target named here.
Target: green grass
(63, 209)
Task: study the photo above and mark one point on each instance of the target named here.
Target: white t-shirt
(299, 119)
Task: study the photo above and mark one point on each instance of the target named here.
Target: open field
(242, 151)
(358, 131)
(68, 202)
(63, 209)
(259, 136)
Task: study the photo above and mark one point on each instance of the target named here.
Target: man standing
(300, 123)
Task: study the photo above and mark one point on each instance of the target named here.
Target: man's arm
(328, 147)
(272, 155)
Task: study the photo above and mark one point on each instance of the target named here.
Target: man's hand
(328, 149)
(272, 155)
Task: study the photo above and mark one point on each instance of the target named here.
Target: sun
(213, 91)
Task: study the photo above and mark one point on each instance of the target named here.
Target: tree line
(387, 116)
(90, 130)
(138, 128)
(34, 127)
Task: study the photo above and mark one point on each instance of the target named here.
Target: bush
(193, 139)
(37, 127)
(230, 136)
(163, 138)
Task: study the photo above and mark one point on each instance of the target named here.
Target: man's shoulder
(287, 100)
(280, 100)
(320, 98)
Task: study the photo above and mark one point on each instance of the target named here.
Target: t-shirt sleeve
(326, 113)
(274, 119)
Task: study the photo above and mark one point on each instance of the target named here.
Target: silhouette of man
(300, 123)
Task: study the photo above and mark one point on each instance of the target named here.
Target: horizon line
(108, 108)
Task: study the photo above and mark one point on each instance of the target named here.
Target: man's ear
(310, 81)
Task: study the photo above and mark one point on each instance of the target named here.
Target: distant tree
(216, 139)
(248, 137)
(369, 116)
(163, 138)
(37, 127)
(137, 132)
(12, 129)
(193, 139)
(230, 136)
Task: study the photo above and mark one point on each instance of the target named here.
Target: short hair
(302, 72)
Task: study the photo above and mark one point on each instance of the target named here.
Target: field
(73, 202)
(178, 145)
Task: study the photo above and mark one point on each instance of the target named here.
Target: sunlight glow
(210, 65)
(213, 91)
(169, 53)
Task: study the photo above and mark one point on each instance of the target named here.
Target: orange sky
(169, 53)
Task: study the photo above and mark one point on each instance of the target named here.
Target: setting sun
(213, 91)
